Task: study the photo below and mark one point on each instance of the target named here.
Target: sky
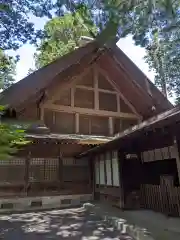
(26, 52)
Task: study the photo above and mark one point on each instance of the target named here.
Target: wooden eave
(157, 123)
(70, 138)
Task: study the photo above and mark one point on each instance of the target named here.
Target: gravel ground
(69, 224)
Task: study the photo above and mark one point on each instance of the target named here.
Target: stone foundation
(40, 203)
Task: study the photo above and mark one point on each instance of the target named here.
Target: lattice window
(12, 170)
(42, 169)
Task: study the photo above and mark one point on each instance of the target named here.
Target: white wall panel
(158, 154)
(173, 152)
(108, 169)
(165, 153)
(151, 156)
(115, 169)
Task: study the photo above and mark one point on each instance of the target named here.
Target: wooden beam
(99, 90)
(68, 109)
(72, 96)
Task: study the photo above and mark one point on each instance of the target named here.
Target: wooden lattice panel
(12, 170)
(41, 169)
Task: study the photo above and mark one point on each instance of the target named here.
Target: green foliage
(7, 70)
(62, 35)
(11, 139)
(16, 27)
(153, 24)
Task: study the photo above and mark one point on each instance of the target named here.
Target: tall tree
(153, 25)
(7, 70)
(62, 35)
(156, 58)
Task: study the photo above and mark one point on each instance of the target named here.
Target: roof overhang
(159, 122)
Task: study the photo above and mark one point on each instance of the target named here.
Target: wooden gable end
(91, 104)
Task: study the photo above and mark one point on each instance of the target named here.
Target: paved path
(160, 226)
(69, 224)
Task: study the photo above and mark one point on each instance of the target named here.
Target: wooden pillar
(77, 122)
(91, 175)
(26, 175)
(105, 171)
(121, 159)
(112, 179)
(111, 130)
(60, 167)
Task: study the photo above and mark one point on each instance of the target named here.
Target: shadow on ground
(70, 224)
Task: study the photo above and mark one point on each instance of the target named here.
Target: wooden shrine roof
(160, 121)
(135, 86)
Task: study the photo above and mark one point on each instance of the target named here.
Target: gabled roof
(75, 62)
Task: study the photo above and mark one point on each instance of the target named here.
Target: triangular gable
(83, 90)
(63, 69)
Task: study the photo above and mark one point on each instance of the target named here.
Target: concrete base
(42, 203)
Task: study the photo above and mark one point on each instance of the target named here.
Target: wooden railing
(160, 198)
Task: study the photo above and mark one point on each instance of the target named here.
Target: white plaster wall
(159, 154)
